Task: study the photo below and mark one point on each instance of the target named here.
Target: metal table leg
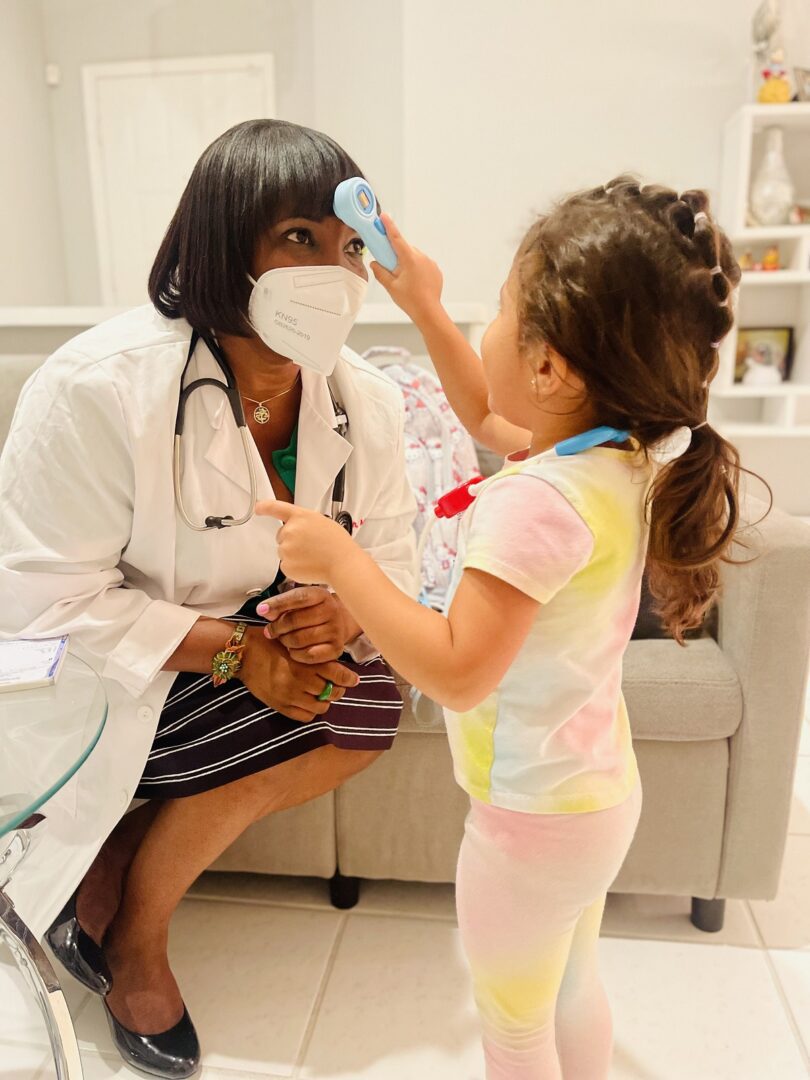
(40, 976)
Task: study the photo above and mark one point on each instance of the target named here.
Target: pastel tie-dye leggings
(530, 892)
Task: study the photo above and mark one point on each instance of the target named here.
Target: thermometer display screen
(363, 199)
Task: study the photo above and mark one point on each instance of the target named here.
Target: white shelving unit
(771, 424)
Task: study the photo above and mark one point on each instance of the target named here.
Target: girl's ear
(545, 379)
(555, 374)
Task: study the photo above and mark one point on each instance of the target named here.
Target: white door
(147, 123)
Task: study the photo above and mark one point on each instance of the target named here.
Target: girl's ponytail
(693, 511)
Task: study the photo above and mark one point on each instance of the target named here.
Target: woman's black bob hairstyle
(256, 174)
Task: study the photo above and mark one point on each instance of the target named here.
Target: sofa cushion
(681, 693)
(673, 693)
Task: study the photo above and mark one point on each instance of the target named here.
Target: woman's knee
(303, 778)
(352, 762)
(334, 766)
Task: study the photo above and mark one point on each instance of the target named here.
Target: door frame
(93, 75)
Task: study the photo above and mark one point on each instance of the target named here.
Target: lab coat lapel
(225, 451)
(322, 452)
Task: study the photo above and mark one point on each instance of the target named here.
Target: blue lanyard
(588, 439)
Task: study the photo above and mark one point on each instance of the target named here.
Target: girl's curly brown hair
(631, 285)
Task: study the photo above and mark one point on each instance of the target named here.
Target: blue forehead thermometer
(356, 206)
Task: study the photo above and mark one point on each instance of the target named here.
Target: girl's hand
(311, 623)
(416, 284)
(309, 544)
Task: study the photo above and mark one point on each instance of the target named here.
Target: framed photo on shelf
(764, 355)
(802, 78)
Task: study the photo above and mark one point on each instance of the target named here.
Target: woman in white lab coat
(92, 544)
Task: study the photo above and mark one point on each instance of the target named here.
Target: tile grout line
(804, 1051)
(613, 936)
(114, 1058)
(309, 1030)
(41, 1041)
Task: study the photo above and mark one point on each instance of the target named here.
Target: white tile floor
(282, 985)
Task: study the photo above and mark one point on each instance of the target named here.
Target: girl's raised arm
(416, 286)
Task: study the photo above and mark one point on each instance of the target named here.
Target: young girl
(610, 319)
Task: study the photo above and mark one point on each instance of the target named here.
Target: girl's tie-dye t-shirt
(570, 532)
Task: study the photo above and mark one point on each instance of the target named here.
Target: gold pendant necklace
(261, 414)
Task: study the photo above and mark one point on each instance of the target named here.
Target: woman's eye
(300, 236)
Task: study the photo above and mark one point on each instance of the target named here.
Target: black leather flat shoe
(173, 1054)
(77, 951)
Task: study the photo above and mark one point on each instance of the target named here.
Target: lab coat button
(255, 592)
(145, 713)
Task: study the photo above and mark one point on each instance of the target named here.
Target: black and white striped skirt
(208, 736)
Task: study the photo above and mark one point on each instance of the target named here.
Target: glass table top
(45, 735)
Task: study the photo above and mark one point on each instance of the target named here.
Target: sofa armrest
(764, 631)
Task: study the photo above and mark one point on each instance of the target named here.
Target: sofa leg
(344, 892)
(708, 915)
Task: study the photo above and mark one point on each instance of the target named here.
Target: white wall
(31, 258)
(359, 87)
(79, 32)
(337, 70)
(359, 92)
(510, 103)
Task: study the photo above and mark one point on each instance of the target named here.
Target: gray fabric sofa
(716, 727)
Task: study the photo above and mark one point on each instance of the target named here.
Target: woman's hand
(416, 284)
(309, 544)
(271, 675)
(310, 622)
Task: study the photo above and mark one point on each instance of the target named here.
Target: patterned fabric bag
(439, 455)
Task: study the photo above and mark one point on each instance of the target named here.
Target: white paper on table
(26, 663)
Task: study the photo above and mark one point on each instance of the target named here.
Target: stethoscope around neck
(231, 391)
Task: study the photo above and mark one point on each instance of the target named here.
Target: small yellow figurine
(746, 260)
(775, 88)
(771, 260)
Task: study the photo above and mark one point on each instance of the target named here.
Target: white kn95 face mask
(306, 313)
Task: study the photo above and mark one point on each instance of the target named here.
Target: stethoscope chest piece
(344, 519)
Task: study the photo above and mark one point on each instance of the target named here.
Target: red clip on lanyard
(458, 500)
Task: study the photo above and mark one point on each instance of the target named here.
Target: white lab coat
(91, 543)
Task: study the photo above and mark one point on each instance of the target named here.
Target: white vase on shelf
(773, 195)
